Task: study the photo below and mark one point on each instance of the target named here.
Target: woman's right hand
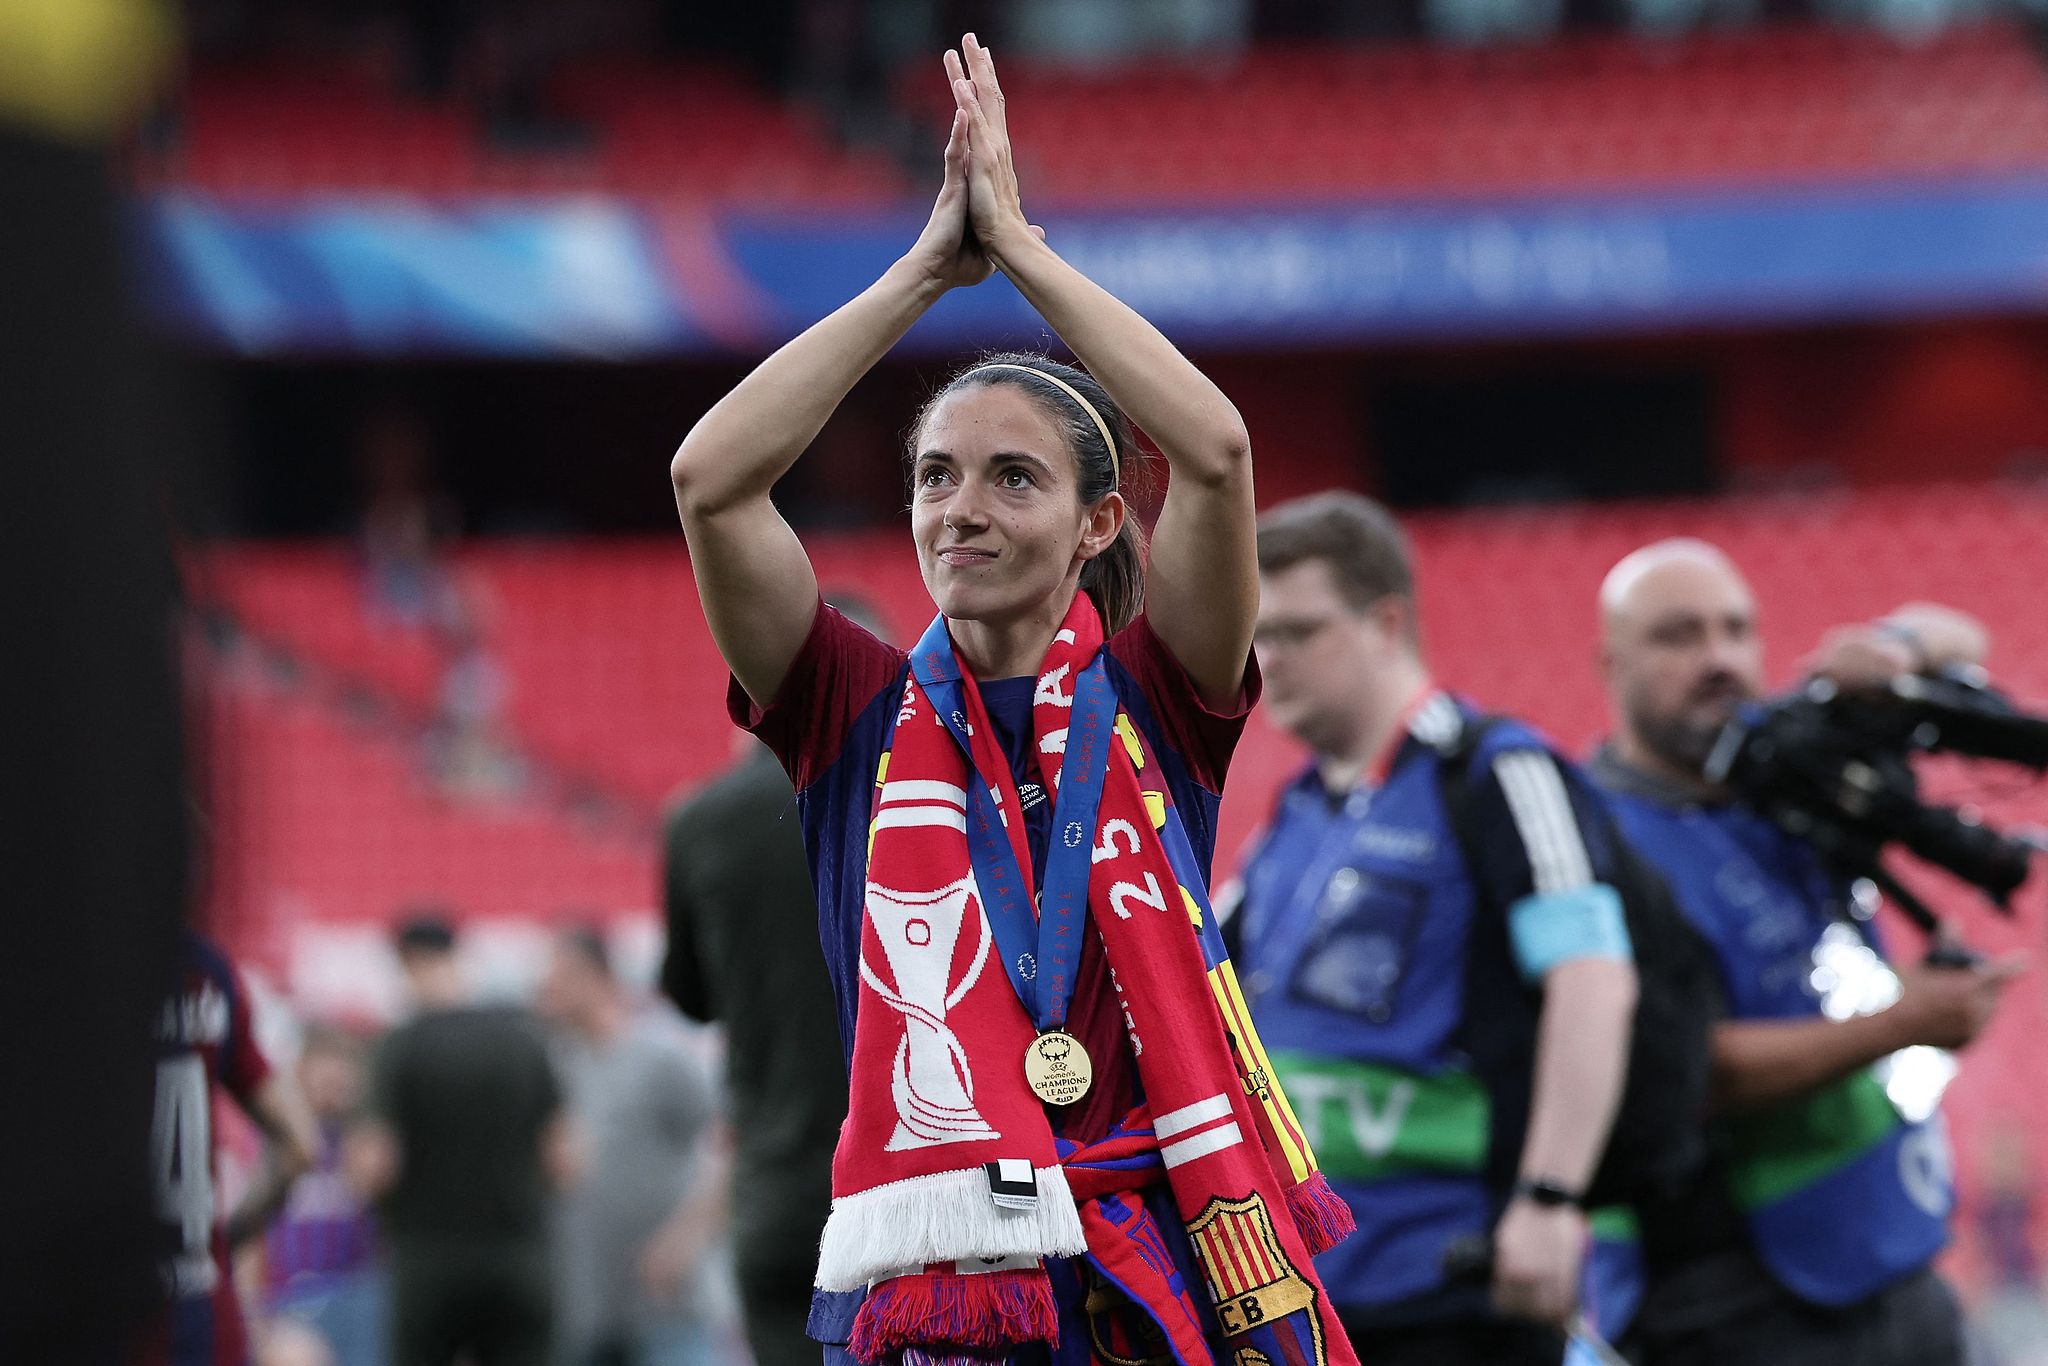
(946, 252)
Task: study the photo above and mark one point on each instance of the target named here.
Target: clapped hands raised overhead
(979, 210)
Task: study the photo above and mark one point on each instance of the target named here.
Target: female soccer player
(1061, 1126)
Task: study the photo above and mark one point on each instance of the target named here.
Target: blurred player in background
(743, 953)
(320, 1262)
(649, 1206)
(987, 1147)
(206, 1040)
(465, 1140)
(1360, 926)
(1818, 1250)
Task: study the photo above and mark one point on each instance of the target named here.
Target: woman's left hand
(994, 209)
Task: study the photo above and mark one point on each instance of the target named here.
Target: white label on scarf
(1012, 1184)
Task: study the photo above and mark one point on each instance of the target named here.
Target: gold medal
(1058, 1068)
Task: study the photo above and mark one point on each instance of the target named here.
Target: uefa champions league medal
(1057, 1068)
(1041, 943)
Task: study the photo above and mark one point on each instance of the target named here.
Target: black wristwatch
(1541, 1190)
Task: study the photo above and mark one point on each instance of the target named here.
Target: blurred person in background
(1030, 1130)
(649, 1208)
(1374, 942)
(2011, 1319)
(207, 1040)
(464, 1141)
(407, 524)
(1817, 1246)
(743, 953)
(320, 1262)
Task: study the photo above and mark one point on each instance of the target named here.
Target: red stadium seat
(1804, 102)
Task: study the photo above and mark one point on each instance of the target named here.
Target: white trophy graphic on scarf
(931, 1081)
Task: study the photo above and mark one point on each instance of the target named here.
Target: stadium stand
(1596, 112)
(297, 127)
(1593, 112)
(612, 678)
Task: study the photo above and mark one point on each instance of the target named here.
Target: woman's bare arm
(753, 576)
(1203, 589)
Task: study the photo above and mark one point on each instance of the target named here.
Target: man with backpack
(1433, 943)
(1811, 1245)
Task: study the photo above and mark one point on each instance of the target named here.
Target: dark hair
(1115, 579)
(1357, 538)
(587, 942)
(425, 931)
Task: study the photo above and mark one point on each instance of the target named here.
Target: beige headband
(1116, 472)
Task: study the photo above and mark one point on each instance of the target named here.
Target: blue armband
(1548, 928)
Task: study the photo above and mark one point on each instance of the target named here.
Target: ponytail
(1115, 579)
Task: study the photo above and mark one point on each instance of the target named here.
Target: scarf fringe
(943, 1217)
(995, 1310)
(1323, 1219)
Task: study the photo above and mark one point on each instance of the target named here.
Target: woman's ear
(1099, 532)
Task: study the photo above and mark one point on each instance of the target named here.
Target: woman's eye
(931, 479)
(1016, 479)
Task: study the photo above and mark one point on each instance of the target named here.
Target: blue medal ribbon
(1041, 949)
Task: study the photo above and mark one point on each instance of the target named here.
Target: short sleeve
(1535, 841)
(243, 1068)
(1204, 737)
(830, 682)
(1547, 859)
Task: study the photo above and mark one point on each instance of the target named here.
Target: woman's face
(995, 506)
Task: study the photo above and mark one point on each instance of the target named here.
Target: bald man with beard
(1813, 1244)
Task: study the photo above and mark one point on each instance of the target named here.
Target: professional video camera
(1832, 766)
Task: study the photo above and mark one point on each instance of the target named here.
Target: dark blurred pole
(93, 831)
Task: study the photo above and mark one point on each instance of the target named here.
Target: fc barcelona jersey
(204, 1042)
(830, 725)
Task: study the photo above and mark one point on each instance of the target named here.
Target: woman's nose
(964, 508)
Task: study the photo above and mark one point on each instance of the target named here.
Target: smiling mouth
(962, 555)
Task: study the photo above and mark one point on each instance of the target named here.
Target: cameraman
(1835, 1204)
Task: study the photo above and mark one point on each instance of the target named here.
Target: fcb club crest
(1250, 1278)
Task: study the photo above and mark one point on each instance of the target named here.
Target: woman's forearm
(751, 437)
(1195, 426)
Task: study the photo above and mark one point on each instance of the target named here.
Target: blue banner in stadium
(602, 278)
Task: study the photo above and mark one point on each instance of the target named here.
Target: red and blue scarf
(949, 1187)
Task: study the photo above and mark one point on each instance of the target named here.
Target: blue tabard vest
(1353, 931)
(1842, 1195)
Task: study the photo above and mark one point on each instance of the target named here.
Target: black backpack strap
(1499, 1028)
(1455, 754)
